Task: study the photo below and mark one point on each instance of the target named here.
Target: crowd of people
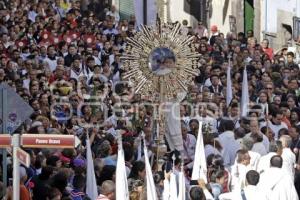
(63, 58)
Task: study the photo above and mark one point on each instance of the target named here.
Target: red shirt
(24, 193)
(269, 52)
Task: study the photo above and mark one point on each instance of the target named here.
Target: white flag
(121, 177)
(181, 193)
(173, 132)
(139, 153)
(166, 192)
(139, 12)
(199, 168)
(173, 187)
(229, 86)
(245, 94)
(151, 190)
(91, 184)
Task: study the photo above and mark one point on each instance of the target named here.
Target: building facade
(271, 19)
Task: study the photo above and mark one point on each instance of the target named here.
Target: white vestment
(264, 162)
(277, 185)
(254, 159)
(259, 147)
(238, 174)
(251, 193)
(289, 160)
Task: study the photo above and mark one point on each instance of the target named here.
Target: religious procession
(149, 99)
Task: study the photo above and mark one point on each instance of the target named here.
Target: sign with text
(23, 157)
(49, 141)
(5, 141)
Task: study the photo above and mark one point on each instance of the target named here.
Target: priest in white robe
(288, 157)
(239, 170)
(247, 143)
(264, 161)
(275, 182)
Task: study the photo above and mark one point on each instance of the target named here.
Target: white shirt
(259, 148)
(254, 159)
(265, 141)
(52, 63)
(238, 174)
(110, 31)
(276, 128)
(289, 160)
(189, 146)
(77, 75)
(32, 15)
(209, 149)
(264, 162)
(207, 82)
(209, 121)
(230, 147)
(251, 192)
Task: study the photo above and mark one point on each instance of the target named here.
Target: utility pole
(3, 100)
(16, 167)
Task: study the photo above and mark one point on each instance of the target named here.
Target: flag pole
(145, 11)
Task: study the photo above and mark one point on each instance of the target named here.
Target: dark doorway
(196, 8)
(249, 15)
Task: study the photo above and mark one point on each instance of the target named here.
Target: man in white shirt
(288, 157)
(228, 142)
(254, 129)
(111, 30)
(77, 69)
(250, 192)
(276, 183)
(207, 117)
(239, 170)
(51, 58)
(215, 70)
(264, 161)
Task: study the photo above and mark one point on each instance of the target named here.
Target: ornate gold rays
(136, 61)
